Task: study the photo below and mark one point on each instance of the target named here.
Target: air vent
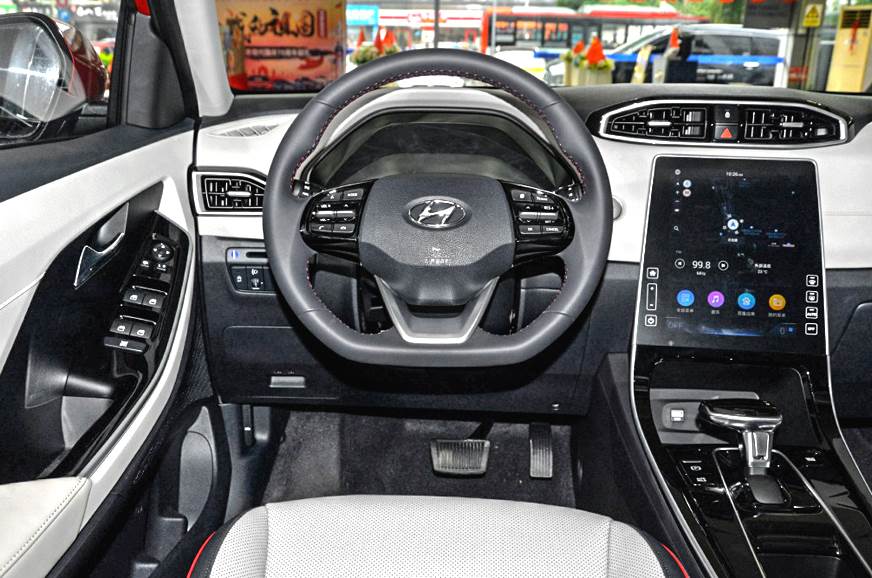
(248, 131)
(231, 192)
(721, 123)
(787, 125)
(662, 122)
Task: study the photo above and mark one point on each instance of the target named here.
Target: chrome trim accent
(91, 260)
(197, 192)
(604, 122)
(467, 321)
(733, 506)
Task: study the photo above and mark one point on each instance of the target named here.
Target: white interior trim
(198, 20)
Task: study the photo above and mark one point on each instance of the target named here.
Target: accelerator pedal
(541, 451)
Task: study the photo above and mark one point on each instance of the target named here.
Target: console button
(321, 228)
(726, 132)
(145, 265)
(812, 281)
(651, 297)
(161, 252)
(125, 344)
(811, 312)
(553, 229)
(141, 330)
(521, 196)
(239, 278)
(345, 229)
(121, 326)
(162, 267)
(345, 216)
(134, 296)
(811, 328)
(153, 300)
(352, 195)
(726, 114)
(811, 296)
(529, 230)
(254, 277)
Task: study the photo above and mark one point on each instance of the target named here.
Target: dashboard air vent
(247, 131)
(785, 125)
(721, 123)
(231, 192)
(662, 122)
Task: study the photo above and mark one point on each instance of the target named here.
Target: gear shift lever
(756, 420)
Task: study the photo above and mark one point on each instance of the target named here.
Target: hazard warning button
(726, 132)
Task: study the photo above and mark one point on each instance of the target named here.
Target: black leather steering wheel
(449, 259)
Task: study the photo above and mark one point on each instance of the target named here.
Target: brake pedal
(541, 451)
(460, 457)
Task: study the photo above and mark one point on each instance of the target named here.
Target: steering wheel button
(345, 216)
(333, 196)
(549, 218)
(521, 196)
(323, 216)
(552, 229)
(548, 208)
(529, 230)
(344, 229)
(528, 216)
(321, 228)
(352, 195)
(541, 198)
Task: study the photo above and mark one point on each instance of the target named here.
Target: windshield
(278, 46)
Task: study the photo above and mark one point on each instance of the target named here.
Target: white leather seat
(428, 536)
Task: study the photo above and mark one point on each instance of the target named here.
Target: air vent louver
(662, 122)
(231, 193)
(788, 125)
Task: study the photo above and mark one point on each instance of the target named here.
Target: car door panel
(45, 230)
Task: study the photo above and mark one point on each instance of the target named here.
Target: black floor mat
(859, 441)
(329, 454)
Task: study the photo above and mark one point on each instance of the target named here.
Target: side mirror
(48, 74)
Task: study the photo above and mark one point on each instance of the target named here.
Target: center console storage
(730, 381)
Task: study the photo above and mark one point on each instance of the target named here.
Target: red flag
(578, 48)
(595, 53)
(390, 39)
(377, 42)
(674, 42)
(361, 38)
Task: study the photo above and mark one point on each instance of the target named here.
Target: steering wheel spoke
(331, 221)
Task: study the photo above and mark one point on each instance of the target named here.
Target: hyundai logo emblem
(437, 214)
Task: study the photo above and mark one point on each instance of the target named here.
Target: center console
(730, 381)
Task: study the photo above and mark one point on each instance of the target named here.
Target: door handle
(107, 241)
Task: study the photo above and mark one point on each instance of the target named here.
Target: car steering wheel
(437, 243)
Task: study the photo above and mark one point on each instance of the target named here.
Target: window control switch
(121, 326)
(153, 300)
(141, 330)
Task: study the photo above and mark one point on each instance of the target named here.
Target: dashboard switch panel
(249, 270)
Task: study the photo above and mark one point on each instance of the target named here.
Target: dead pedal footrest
(460, 457)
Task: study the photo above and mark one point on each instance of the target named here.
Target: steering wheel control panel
(733, 256)
(541, 219)
(542, 222)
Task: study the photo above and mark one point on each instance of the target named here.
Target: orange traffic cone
(674, 41)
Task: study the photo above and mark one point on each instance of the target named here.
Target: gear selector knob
(756, 420)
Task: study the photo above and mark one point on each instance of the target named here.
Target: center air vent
(744, 123)
(663, 122)
(229, 192)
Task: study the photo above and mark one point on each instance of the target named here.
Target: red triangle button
(726, 134)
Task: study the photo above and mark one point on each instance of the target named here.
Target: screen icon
(811, 312)
(652, 273)
(777, 302)
(723, 265)
(650, 321)
(812, 280)
(811, 296)
(715, 299)
(685, 297)
(679, 263)
(811, 328)
(733, 224)
(747, 301)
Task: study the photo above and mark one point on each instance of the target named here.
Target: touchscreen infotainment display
(733, 256)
